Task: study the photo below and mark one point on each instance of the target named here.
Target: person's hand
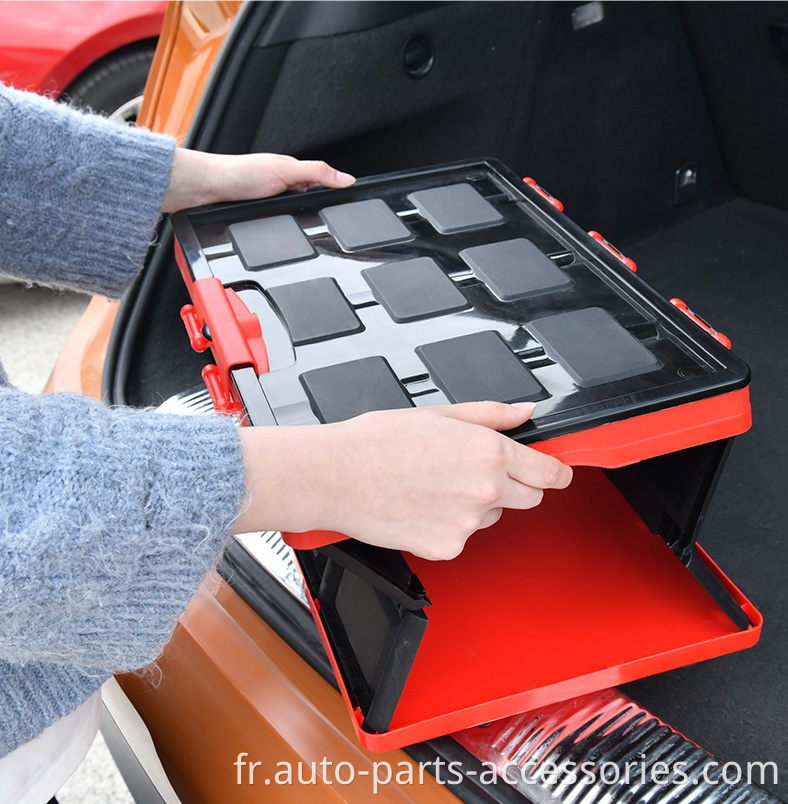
(418, 480)
(199, 178)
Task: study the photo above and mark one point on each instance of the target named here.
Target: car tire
(113, 86)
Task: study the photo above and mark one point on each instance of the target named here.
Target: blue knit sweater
(108, 518)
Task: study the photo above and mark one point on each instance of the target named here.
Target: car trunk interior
(662, 125)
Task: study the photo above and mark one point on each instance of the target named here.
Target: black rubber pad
(515, 269)
(346, 390)
(455, 208)
(414, 289)
(364, 224)
(592, 346)
(270, 241)
(315, 310)
(476, 367)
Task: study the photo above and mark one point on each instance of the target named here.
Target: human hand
(199, 178)
(418, 480)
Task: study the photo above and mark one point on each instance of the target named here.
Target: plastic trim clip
(630, 263)
(532, 183)
(718, 336)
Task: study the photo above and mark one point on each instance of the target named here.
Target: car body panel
(80, 363)
(192, 35)
(227, 684)
(44, 46)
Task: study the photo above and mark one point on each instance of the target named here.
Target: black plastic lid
(594, 342)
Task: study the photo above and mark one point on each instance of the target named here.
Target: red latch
(219, 391)
(236, 335)
(718, 336)
(552, 199)
(249, 325)
(194, 328)
(631, 264)
(220, 320)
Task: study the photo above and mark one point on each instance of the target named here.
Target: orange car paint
(228, 684)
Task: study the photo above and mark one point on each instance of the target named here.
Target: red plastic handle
(718, 336)
(237, 335)
(551, 198)
(631, 264)
(194, 328)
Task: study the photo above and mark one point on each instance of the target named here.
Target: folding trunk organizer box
(459, 283)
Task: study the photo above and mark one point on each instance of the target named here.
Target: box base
(568, 598)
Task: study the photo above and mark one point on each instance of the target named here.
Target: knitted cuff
(110, 520)
(79, 195)
(35, 695)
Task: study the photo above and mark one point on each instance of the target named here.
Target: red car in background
(94, 54)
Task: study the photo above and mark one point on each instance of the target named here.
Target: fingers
(298, 173)
(508, 492)
(495, 415)
(531, 468)
(440, 473)
(526, 466)
(199, 178)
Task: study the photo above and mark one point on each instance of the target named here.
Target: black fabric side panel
(617, 110)
(729, 265)
(249, 97)
(746, 85)
(602, 116)
(348, 99)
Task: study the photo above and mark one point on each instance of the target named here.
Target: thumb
(306, 172)
(495, 415)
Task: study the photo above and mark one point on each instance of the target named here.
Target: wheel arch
(129, 34)
(133, 47)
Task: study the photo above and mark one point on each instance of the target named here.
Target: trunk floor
(730, 265)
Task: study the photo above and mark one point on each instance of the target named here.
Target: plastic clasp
(235, 334)
(194, 328)
(631, 264)
(219, 391)
(220, 320)
(551, 198)
(718, 336)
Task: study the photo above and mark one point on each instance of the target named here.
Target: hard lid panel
(565, 271)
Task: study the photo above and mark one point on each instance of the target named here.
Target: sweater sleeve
(79, 195)
(109, 519)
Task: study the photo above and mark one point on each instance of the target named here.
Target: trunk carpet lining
(729, 264)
